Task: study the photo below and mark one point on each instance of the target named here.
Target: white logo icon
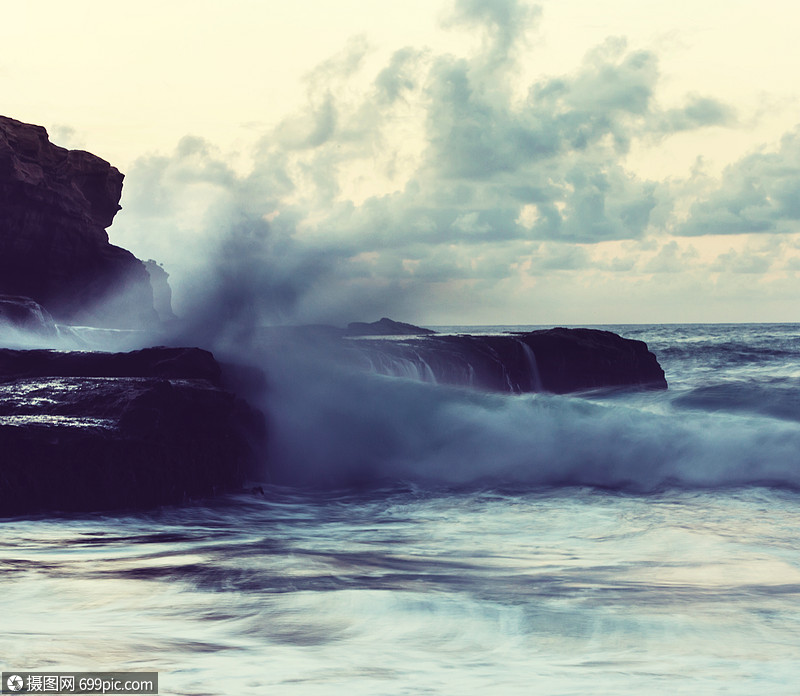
(15, 682)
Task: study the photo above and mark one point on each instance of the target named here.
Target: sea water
(417, 539)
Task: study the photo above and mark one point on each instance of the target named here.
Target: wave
(337, 428)
(729, 354)
(775, 397)
(334, 427)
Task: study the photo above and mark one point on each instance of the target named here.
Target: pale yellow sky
(133, 77)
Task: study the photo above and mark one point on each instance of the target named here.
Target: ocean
(414, 538)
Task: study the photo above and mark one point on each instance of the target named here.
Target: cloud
(503, 24)
(66, 136)
(671, 259)
(484, 160)
(758, 194)
(474, 135)
(399, 76)
(427, 179)
(736, 262)
(699, 112)
(612, 83)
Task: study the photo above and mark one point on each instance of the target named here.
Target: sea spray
(337, 427)
(512, 553)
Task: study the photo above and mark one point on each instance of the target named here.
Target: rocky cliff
(55, 206)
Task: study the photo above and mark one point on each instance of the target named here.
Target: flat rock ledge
(559, 360)
(86, 431)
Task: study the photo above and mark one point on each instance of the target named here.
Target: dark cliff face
(570, 360)
(55, 206)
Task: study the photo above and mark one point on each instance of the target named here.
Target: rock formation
(104, 431)
(23, 314)
(86, 431)
(55, 206)
(162, 292)
(554, 360)
(385, 327)
(572, 360)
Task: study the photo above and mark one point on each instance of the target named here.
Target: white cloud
(759, 193)
(428, 181)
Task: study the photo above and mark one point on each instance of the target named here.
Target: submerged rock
(103, 431)
(55, 206)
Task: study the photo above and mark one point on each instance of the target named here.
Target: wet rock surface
(95, 431)
(556, 360)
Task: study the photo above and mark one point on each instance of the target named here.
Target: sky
(439, 162)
